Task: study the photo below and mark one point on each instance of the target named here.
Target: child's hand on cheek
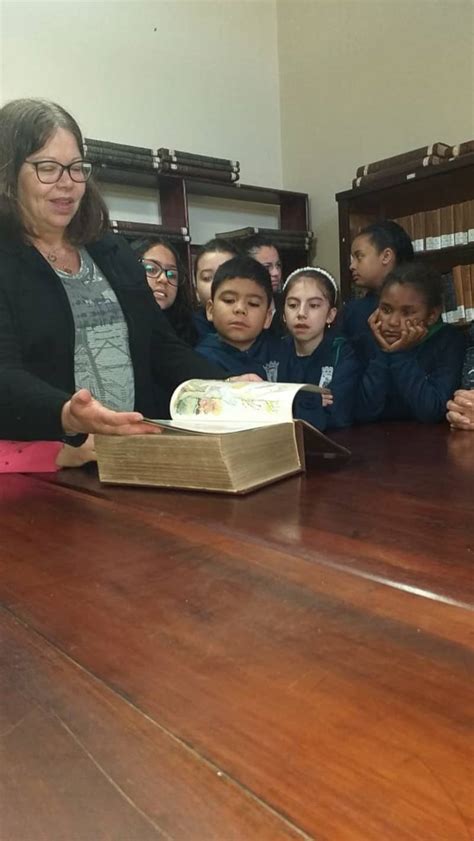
(375, 325)
(412, 333)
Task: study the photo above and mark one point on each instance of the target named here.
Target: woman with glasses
(168, 280)
(83, 349)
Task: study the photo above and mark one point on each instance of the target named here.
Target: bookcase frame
(398, 196)
(174, 191)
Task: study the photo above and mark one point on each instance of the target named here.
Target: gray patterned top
(102, 361)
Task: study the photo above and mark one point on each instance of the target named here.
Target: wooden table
(294, 664)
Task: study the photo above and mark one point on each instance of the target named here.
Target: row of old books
(283, 240)
(105, 153)
(412, 163)
(458, 294)
(442, 227)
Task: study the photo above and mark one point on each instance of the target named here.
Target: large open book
(222, 436)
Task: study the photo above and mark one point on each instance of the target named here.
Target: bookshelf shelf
(397, 196)
(174, 190)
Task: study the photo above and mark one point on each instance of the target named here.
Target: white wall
(365, 79)
(198, 75)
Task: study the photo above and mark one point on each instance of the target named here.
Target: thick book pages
(441, 150)
(231, 437)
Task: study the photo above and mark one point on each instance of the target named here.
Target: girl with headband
(311, 354)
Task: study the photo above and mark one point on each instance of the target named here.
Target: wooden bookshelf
(397, 196)
(174, 192)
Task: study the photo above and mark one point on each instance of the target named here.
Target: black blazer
(37, 340)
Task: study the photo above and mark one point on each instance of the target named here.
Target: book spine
(441, 150)
(469, 213)
(463, 148)
(145, 234)
(109, 145)
(173, 159)
(297, 245)
(468, 292)
(402, 169)
(449, 298)
(458, 288)
(197, 172)
(460, 224)
(95, 156)
(120, 224)
(433, 229)
(132, 162)
(204, 159)
(418, 231)
(447, 226)
(240, 233)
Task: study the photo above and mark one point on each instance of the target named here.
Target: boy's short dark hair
(388, 234)
(426, 280)
(244, 267)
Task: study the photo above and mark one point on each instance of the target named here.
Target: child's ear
(388, 256)
(209, 309)
(331, 315)
(268, 318)
(433, 316)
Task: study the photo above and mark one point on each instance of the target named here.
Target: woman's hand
(461, 410)
(411, 334)
(83, 413)
(77, 456)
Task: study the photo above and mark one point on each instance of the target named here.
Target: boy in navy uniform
(240, 308)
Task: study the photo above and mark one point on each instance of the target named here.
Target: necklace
(54, 258)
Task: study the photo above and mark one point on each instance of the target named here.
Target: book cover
(198, 172)
(156, 229)
(118, 147)
(176, 153)
(210, 164)
(131, 234)
(119, 162)
(441, 150)
(407, 168)
(107, 153)
(231, 437)
(463, 148)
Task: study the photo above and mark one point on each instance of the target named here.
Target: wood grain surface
(292, 664)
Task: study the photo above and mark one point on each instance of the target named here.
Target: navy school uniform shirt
(334, 365)
(261, 358)
(412, 384)
(202, 325)
(354, 317)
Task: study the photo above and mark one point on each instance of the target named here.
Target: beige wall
(351, 80)
(365, 79)
(200, 75)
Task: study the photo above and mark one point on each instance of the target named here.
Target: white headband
(307, 269)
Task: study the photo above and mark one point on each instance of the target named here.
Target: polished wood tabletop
(292, 664)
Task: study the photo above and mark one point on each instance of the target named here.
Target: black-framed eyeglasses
(155, 270)
(48, 172)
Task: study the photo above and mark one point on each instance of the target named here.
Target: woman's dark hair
(222, 246)
(328, 288)
(427, 281)
(388, 234)
(25, 126)
(180, 313)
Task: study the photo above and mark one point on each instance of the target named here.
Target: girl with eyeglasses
(168, 280)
